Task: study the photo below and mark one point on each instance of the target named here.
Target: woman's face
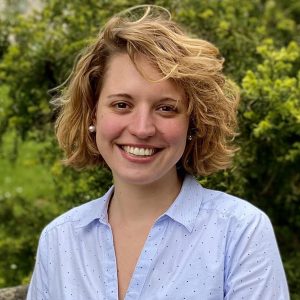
(141, 127)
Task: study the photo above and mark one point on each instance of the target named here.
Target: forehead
(122, 73)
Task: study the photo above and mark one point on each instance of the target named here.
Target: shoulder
(245, 227)
(220, 211)
(71, 216)
(230, 207)
(216, 209)
(219, 202)
(251, 256)
(80, 215)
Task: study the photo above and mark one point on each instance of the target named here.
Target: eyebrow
(124, 95)
(120, 95)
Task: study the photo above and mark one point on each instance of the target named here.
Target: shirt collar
(96, 210)
(186, 206)
(184, 209)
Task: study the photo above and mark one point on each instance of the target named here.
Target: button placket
(110, 266)
(146, 260)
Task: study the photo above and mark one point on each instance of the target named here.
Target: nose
(142, 124)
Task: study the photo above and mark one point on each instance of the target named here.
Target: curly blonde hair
(192, 63)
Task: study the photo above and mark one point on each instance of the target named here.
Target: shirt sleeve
(38, 288)
(253, 267)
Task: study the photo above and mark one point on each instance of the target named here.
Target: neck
(132, 204)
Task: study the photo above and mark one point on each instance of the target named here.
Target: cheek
(107, 129)
(176, 133)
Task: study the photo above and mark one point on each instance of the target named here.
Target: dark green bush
(260, 41)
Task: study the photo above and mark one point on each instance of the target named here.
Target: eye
(167, 108)
(121, 105)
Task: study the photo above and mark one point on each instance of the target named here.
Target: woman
(152, 105)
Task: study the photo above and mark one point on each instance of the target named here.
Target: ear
(94, 114)
(192, 127)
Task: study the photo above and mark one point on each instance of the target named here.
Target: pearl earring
(190, 137)
(92, 128)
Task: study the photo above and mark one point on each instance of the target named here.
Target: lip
(139, 151)
(139, 158)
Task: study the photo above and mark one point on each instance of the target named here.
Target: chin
(139, 180)
(144, 178)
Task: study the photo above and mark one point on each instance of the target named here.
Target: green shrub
(260, 41)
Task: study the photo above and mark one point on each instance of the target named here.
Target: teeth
(138, 151)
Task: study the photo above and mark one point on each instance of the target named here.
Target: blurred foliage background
(38, 45)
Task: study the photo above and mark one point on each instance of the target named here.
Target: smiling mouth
(137, 151)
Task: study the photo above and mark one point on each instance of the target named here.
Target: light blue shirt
(208, 245)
